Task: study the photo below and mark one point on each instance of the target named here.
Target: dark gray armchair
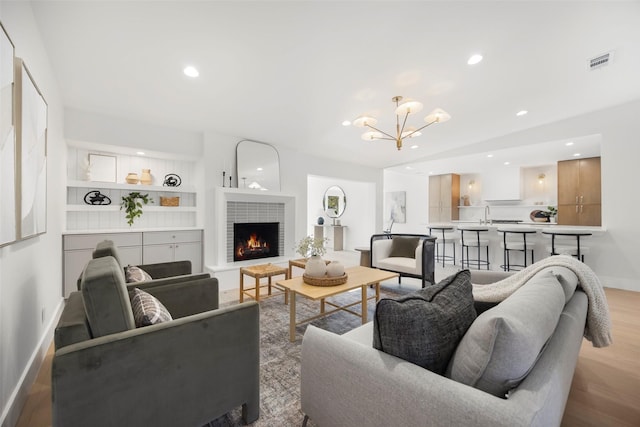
(184, 372)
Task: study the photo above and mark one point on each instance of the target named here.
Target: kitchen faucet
(487, 211)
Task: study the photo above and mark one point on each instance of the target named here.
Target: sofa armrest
(184, 372)
(344, 382)
(185, 298)
(484, 277)
(167, 269)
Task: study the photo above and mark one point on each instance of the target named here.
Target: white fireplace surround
(226, 195)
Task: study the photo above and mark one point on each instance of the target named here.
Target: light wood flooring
(605, 389)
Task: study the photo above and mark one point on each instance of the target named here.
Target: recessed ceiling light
(569, 144)
(413, 147)
(474, 59)
(521, 113)
(140, 153)
(346, 123)
(259, 169)
(431, 173)
(577, 155)
(408, 168)
(489, 155)
(507, 163)
(191, 71)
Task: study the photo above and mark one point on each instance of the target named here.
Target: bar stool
(473, 240)
(564, 246)
(447, 237)
(519, 243)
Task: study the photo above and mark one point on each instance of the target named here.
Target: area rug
(280, 358)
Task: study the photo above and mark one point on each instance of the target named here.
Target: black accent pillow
(425, 327)
(404, 247)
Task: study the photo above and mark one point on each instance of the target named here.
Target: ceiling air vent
(600, 61)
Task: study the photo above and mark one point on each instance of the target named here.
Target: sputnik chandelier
(402, 109)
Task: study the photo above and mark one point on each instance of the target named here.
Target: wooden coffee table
(258, 272)
(358, 277)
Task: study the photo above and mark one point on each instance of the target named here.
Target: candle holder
(223, 174)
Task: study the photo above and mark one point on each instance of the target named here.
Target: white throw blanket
(598, 328)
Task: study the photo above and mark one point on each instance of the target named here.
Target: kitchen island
(541, 242)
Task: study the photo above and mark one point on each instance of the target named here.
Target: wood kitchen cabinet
(579, 192)
(444, 197)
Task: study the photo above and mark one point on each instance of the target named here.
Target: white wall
(359, 214)
(31, 270)
(614, 256)
(97, 128)
(417, 198)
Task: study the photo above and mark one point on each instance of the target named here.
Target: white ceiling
(289, 73)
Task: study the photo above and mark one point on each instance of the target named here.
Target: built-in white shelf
(132, 187)
(116, 207)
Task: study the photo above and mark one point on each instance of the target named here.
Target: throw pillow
(504, 343)
(404, 247)
(147, 310)
(425, 327)
(136, 274)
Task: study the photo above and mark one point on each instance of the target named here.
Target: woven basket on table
(325, 281)
(169, 201)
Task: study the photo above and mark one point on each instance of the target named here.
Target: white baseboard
(15, 403)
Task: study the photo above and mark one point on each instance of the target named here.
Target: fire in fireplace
(254, 240)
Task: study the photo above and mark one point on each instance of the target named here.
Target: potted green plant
(132, 204)
(552, 212)
(309, 246)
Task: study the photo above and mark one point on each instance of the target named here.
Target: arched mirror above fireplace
(258, 166)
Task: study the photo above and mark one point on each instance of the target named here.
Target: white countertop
(530, 224)
(128, 230)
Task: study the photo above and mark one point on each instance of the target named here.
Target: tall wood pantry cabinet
(579, 192)
(444, 197)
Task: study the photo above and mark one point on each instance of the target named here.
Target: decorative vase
(145, 177)
(320, 220)
(132, 178)
(335, 269)
(315, 266)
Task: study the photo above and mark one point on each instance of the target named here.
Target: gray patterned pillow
(425, 327)
(147, 310)
(136, 274)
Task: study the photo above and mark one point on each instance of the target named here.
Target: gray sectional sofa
(347, 382)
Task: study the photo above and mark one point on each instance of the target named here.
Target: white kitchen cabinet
(167, 246)
(504, 183)
(78, 250)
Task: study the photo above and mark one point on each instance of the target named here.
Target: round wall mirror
(334, 202)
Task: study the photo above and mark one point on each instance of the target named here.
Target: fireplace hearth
(255, 240)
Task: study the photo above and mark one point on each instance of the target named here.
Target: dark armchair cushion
(425, 327)
(404, 247)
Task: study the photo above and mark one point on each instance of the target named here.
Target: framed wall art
(396, 202)
(8, 232)
(31, 137)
